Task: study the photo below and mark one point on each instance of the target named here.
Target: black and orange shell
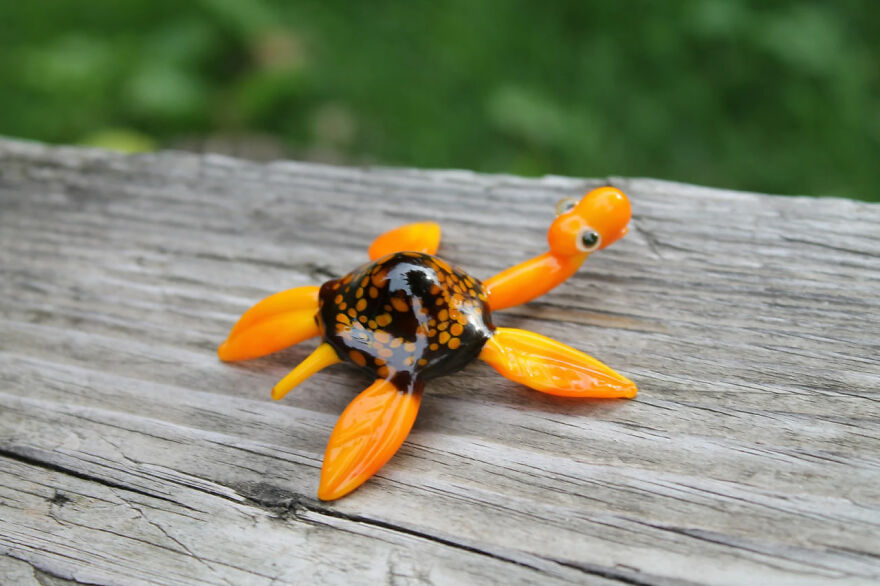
(408, 317)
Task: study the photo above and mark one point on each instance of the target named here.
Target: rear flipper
(367, 434)
(421, 237)
(552, 367)
(322, 357)
(276, 322)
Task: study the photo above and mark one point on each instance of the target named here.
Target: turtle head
(588, 224)
(582, 226)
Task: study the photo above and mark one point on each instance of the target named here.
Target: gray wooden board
(129, 454)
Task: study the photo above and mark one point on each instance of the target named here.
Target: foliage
(765, 95)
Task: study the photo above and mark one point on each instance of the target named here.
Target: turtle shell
(407, 317)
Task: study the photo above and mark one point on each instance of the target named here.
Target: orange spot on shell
(383, 320)
(444, 337)
(341, 317)
(409, 347)
(396, 342)
(434, 346)
(456, 329)
(454, 343)
(357, 357)
(399, 304)
(382, 336)
(374, 292)
(352, 312)
(338, 299)
(361, 305)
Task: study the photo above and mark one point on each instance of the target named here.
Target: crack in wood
(286, 505)
(24, 458)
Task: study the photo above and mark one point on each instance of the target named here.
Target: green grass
(779, 97)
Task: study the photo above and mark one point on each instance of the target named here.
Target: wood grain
(129, 454)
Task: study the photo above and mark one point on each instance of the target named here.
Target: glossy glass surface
(407, 317)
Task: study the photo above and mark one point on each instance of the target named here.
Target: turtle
(408, 316)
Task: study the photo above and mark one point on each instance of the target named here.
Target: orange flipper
(421, 237)
(368, 433)
(323, 356)
(552, 367)
(276, 322)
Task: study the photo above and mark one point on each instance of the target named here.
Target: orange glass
(367, 434)
(276, 322)
(421, 237)
(552, 367)
(409, 316)
(605, 210)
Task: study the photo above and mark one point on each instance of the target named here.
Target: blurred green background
(779, 97)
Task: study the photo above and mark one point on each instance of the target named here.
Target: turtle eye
(566, 205)
(588, 240)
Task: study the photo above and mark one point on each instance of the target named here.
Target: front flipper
(421, 237)
(552, 367)
(368, 433)
(276, 322)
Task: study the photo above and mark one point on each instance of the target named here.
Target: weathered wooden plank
(750, 323)
(88, 531)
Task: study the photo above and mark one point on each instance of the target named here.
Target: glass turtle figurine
(408, 316)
